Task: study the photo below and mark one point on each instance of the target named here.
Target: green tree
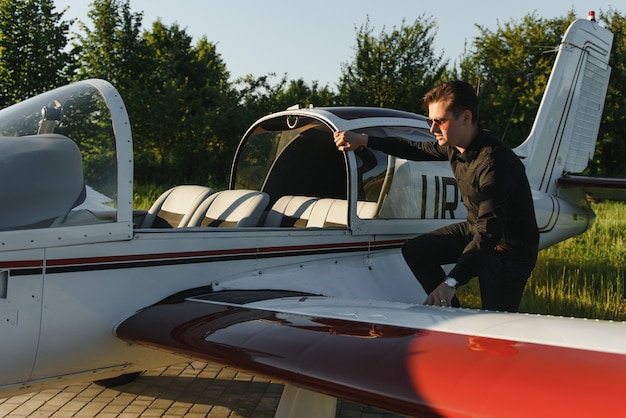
(394, 69)
(113, 50)
(610, 156)
(259, 96)
(298, 92)
(187, 134)
(510, 68)
(177, 95)
(33, 56)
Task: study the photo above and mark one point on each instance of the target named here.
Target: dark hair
(459, 95)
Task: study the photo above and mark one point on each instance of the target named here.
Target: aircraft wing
(597, 188)
(410, 359)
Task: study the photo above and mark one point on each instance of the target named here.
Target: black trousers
(502, 278)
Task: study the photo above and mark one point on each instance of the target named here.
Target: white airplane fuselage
(61, 301)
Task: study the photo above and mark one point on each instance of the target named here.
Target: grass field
(582, 276)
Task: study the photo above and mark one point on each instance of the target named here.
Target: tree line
(188, 115)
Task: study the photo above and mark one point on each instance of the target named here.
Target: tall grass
(146, 194)
(582, 276)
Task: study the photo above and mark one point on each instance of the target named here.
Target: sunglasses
(442, 123)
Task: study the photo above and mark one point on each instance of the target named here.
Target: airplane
(293, 272)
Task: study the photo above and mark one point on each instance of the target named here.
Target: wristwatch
(451, 282)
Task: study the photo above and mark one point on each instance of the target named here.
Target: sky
(310, 40)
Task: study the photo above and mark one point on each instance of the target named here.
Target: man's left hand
(441, 296)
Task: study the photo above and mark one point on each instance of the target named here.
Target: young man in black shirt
(499, 240)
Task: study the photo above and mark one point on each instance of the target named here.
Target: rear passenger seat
(312, 212)
(334, 212)
(290, 211)
(231, 208)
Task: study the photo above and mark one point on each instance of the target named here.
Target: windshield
(59, 151)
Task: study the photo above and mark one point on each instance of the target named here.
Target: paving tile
(191, 390)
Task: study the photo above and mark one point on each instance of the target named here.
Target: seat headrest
(46, 175)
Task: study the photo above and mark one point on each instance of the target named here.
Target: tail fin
(565, 131)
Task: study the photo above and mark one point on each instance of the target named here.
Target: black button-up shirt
(494, 188)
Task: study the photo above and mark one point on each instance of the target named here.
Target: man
(498, 242)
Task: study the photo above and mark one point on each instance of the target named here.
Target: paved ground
(192, 390)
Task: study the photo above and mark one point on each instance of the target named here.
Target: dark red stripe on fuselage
(189, 257)
(408, 371)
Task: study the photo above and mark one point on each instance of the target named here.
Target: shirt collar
(472, 151)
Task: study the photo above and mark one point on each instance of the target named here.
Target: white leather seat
(334, 212)
(290, 211)
(231, 208)
(176, 206)
(42, 180)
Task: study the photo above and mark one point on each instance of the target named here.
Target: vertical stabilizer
(565, 131)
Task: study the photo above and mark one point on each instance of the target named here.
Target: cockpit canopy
(294, 154)
(59, 158)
